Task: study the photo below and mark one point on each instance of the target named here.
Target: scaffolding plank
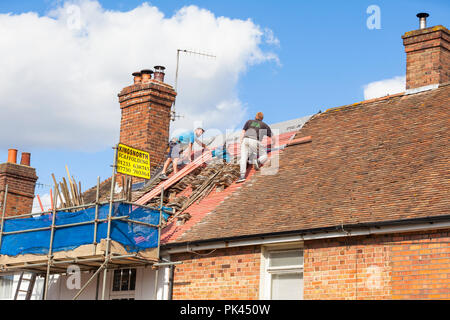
(79, 254)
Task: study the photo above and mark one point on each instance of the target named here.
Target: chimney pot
(21, 181)
(146, 75)
(422, 19)
(137, 77)
(25, 159)
(12, 155)
(145, 117)
(159, 73)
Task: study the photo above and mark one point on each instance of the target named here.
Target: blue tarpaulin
(134, 237)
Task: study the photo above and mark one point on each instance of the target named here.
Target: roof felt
(378, 160)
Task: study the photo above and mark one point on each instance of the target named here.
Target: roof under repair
(377, 160)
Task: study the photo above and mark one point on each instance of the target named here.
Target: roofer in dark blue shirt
(252, 134)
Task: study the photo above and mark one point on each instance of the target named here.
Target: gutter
(349, 230)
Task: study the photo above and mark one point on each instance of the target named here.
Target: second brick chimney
(427, 55)
(21, 181)
(146, 113)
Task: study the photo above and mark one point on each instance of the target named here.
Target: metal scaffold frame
(97, 263)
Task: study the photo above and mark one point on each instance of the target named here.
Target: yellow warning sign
(133, 162)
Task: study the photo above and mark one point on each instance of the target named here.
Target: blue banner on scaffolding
(134, 237)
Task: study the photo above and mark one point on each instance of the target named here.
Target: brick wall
(231, 273)
(403, 266)
(21, 181)
(427, 56)
(347, 269)
(146, 118)
(399, 266)
(421, 266)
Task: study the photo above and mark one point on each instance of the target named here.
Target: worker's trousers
(250, 149)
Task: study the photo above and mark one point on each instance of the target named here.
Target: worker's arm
(272, 141)
(244, 129)
(204, 146)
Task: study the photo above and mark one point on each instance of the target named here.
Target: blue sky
(326, 56)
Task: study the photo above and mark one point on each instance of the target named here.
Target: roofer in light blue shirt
(178, 145)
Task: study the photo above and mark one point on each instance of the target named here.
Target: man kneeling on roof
(177, 146)
(252, 134)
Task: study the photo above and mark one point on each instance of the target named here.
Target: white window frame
(267, 272)
(122, 294)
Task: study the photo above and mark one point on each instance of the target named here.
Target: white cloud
(385, 87)
(270, 37)
(61, 72)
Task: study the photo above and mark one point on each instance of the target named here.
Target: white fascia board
(267, 240)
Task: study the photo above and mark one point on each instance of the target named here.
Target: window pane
(125, 279)
(116, 280)
(133, 279)
(6, 283)
(287, 286)
(286, 258)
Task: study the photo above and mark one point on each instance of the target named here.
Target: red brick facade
(146, 113)
(231, 273)
(427, 56)
(21, 181)
(402, 266)
(347, 269)
(383, 267)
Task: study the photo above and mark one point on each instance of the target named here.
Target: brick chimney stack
(146, 113)
(427, 55)
(21, 181)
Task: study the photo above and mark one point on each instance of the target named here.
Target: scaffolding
(95, 257)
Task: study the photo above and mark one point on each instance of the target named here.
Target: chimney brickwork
(21, 181)
(427, 56)
(146, 113)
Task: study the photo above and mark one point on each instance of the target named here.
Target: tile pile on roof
(198, 184)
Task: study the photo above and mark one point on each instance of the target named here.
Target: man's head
(259, 116)
(199, 131)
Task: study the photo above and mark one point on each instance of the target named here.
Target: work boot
(241, 178)
(163, 176)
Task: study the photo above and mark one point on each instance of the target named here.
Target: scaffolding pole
(50, 250)
(159, 239)
(96, 214)
(160, 218)
(171, 212)
(90, 279)
(77, 224)
(108, 234)
(155, 294)
(83, 206)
